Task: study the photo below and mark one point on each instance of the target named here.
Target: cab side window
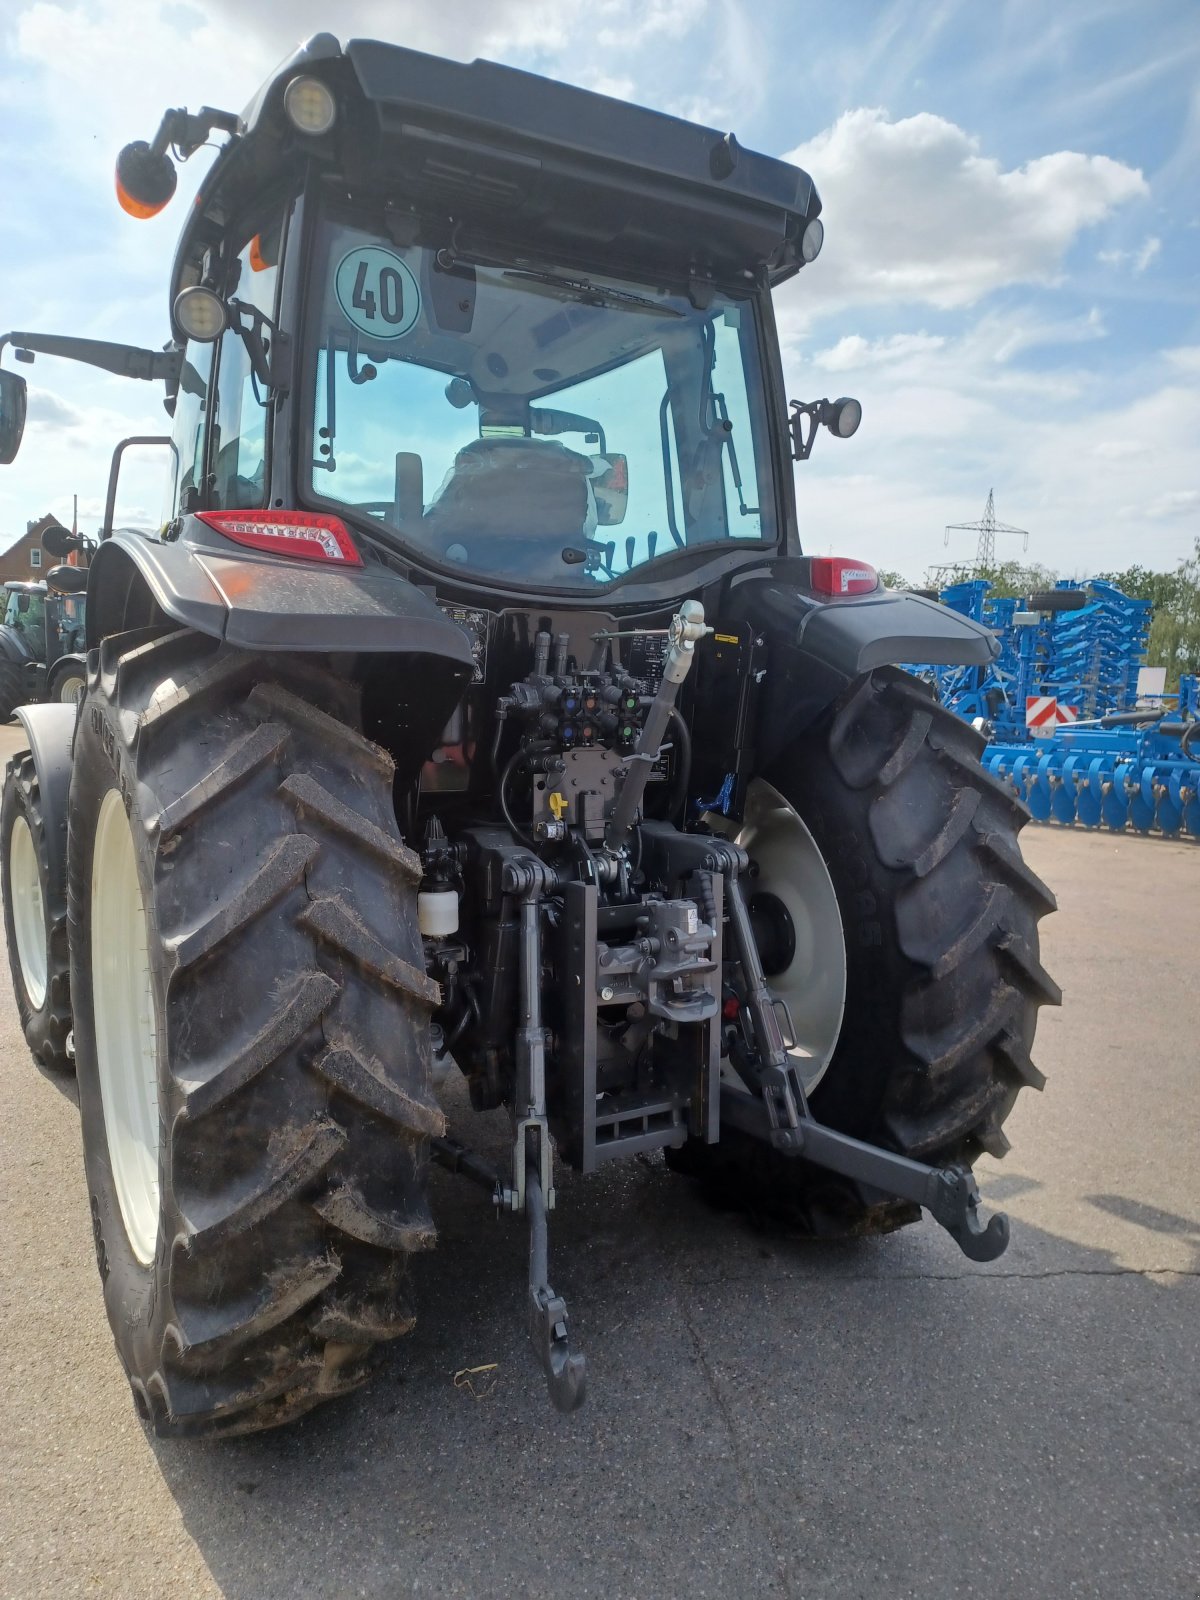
(185, 482)
(240, 430)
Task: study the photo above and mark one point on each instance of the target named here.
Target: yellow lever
(559, 804)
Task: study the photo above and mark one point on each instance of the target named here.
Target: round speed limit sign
(377, 292)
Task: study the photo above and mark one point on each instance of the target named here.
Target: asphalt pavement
(766, 1416)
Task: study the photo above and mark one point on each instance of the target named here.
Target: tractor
(42, 634)
(477, 708)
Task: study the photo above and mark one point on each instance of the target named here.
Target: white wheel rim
(813, 984)
(126, 1032)
(70, 689)
(29, 916)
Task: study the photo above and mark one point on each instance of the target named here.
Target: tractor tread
(203, 1332)
(284, 867)
(369, 1084)
(292, 1161)
(295, 1002)
(258, 748)
(312, 799)
(274, 700)
(47, 1028)
(335, 923)
(346, 1210)
(308, 999)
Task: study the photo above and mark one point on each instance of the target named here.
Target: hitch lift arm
(777, 1111)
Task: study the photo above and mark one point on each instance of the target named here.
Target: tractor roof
(516, 158)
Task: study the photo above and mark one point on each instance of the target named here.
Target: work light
(310, 105)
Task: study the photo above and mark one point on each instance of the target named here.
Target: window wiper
(592, 293)
(728, 444)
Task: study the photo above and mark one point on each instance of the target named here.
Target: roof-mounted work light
(812, 239)
(310, 105)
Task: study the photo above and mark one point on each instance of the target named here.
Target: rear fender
(13, 647)
(816, 647)
(259, 602)
(50, 730)
(408, 654)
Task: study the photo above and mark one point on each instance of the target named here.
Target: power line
(985, 550)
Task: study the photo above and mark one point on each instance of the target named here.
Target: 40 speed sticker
(377, 292)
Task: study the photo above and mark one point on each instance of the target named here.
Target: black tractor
(42, 648)
(478, 705)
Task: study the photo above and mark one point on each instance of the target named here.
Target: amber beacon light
(145, 179)
(146, 173)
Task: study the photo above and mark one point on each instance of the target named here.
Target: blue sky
(1009, 283)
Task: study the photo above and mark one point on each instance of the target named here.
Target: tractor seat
(67, 580)
(519, 500)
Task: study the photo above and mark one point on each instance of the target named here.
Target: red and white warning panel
(1066, 713)
(1041, 715)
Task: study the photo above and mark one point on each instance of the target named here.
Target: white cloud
(1139, 259)
(47, 411)
(853, 353)
(1185, 358)
(1029, 333)
(914, 212)
(1176, 503)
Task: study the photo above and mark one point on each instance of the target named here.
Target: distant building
(26, 559)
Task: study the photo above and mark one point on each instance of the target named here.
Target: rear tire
(68, 682)
(12, 688)
(943, 980)
(35, 919)
(285, 1023)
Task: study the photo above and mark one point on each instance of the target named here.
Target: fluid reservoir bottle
(437, 912)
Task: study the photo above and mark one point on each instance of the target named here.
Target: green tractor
(478, 705)
(42, 652)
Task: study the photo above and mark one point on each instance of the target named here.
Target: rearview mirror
(12, 415)
(610, 485)
(59, 541)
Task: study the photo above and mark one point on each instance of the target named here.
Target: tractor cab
(25, 612)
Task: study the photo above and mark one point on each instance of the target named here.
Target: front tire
(35, 919)
(942, 978)
(255, 1078)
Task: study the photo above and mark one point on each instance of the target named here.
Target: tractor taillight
(306, 534)
(841, 576)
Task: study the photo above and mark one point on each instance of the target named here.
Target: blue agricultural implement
(1071, 655)
(1137, 769)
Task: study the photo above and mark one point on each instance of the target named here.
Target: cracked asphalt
(766, 1416)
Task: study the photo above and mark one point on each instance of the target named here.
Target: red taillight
(306, 534)
(841, 576)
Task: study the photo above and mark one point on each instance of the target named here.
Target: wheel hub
(798, 926)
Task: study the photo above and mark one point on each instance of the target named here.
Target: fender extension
(50, 730)
(265, 603)
(817, 647)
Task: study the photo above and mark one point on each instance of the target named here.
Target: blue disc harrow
(1107, 763)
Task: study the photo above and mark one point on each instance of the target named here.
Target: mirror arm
(123, 360)
(270, 362)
